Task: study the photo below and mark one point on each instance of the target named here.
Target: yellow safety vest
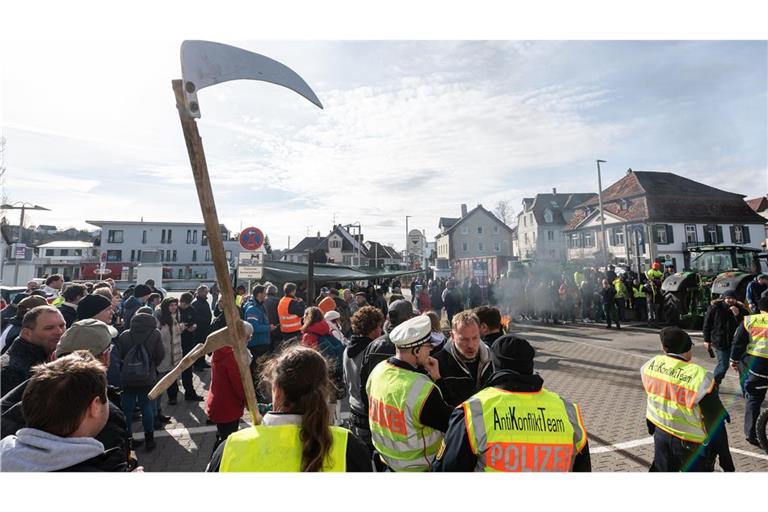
(278, 449)
(654, 274)
(621, 289)
(395, 399)
(638, 292)
(578, 278)
(757, 327)
(523, 432)
(675, 388)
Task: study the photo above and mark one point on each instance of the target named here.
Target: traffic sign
(250, 265)
(102, 271)
(251, 238)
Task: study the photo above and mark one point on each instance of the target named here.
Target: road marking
(621, 446)
(750, 454)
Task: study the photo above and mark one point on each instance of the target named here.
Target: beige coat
(171, 337)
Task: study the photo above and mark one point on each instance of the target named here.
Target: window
(204, 240)
(64, 252)
(181, 273)
(464, 230)
(589, 239)
(548, 216)
(162, 237)
(480, 247)
(169, 236)
(114, 255)
(713, 234)
(189, 236)
(740, 234)
(479, 230)
(575, 241)
(194, 255)
(525, 237)
(78, 252)
(464, 247)
(144, 236)
(207, 255)
(335, 243)
(133, 254)
(49, 252)
(496, 247)
(174, 255)
(550, 236)
(168, 255)
(525, 221)
(194, 236)
(662, 234)
(618, 237)
(162, 255)
(115, 236)
(690, 234)
(495, 230)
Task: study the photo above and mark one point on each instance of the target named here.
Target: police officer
(752, 337)
(515, 424)
(683, 410)
(406, 411)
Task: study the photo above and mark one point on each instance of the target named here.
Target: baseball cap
(399, 311)
(89, 334)
(412, 333)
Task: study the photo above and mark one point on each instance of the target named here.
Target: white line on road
(622, 446)
(750, 454)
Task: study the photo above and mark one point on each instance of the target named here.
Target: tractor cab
(714, 259)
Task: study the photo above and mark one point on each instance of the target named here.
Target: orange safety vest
(288, 323)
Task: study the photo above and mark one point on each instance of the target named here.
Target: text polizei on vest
(531, 422)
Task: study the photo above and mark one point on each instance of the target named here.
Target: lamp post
(407, 258)
(20, 205)
(602, 216)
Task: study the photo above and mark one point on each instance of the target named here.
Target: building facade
(69, 258)
(477, 233)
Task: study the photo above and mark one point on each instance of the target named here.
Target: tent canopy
(283, 272)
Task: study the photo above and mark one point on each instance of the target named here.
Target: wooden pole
(210, 217)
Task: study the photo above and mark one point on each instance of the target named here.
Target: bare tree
(504, 211)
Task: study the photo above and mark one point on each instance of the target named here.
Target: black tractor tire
(762, 430)
(673, 303)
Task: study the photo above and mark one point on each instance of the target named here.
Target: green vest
(674, 390)
(638, 292)
(757, 327)
(277, 449)
(395, 399)
(621, 289)
(523, 432)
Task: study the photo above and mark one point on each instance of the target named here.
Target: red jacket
(313, 333)
(226, 398)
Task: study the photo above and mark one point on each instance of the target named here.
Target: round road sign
(251, 238)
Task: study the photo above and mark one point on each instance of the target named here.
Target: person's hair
(59, 393)
(394, 297)
(289, 288)
(435, 320)
(30, 317)
(73, 292)
(311, 316)
(150, 282)
(102, 284)
(186, 298)
(240, 287)
(489, 316)
(259, 288)
(201, 288)
(366, 320)
(54, 277)
(152, 297)
(464, 317)
(301, 373)
(105, 292)
(166, 318)
(271, 289)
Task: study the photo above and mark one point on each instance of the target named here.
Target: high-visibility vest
(654, 274)
(674, 390)
(288, 322)
(621, 289)
(396, 397)
(639, 292)
(278, 449)
(578, 278)
(517, 432)
(757, 327)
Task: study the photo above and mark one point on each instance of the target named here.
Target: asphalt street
(597, 368)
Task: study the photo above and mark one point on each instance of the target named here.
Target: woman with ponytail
(297, 434)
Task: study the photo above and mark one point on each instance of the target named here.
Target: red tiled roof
(759, 204)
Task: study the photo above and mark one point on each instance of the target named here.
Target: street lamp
(23, 206)
(407, 259)
(602, 216)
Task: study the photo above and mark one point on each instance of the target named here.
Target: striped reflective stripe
(676, 425)
(579, 433)
(757, 326)
(480, 436)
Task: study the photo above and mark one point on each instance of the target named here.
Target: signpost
(251, 239)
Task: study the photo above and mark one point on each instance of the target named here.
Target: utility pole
(602, 215)
(23, 207)
(407, 259)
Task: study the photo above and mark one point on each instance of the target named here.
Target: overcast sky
(408, 128)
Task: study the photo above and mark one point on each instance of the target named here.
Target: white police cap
(412, 333)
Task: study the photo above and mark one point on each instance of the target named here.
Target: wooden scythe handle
(208, 207)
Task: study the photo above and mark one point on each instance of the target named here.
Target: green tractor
(712, 270)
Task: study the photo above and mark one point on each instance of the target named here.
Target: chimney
(463, 210)
(318, 234)
(554, 191)
(629, 170)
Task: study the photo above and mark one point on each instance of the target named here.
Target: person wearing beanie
(407, 415)
(683, 410)
(134, 302)
(750, 344)
(515, 424)
(721, 320)
(95, 306)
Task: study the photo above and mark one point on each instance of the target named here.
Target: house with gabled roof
(760, 206)
(476, 233)
(541, 222)
(659, 215)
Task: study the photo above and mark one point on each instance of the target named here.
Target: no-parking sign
(251, 239)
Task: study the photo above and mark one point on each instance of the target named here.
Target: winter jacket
(319, 337)
(453, 301)
(475, 296)
(16, 363)
(130, 306)
(457, 454)
(35, 450)
(143, 329)
(312, 334)
(188, 317)
(11, 331)
(226, 398)
(456, 382)
(436, 298)
(607, 295)
(424, 302)
(69, 312)
(204, 316)
(754, 291)
(171, 338)
(352, 361)
(720, 323)
(256, 315)
(270, 304)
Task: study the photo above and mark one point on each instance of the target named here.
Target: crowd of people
(79, 361)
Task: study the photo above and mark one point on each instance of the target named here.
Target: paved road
(592, 366)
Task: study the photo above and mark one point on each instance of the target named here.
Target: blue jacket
(754, 290)
(256, 315)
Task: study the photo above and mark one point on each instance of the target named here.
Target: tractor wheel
(672, 308)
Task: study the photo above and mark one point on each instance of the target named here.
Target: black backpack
(137, 369)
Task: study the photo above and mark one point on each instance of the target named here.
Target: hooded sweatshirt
(143, 330)
(34, 450)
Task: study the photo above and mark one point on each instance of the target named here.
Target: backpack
(137, 369)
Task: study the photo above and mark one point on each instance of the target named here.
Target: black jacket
(453, 301)
(456, 382)
(188, 316)
(13, 332)
(377, 351)
(489, 338)
(720, 323)
(111, 461)
(69, 313)
(204, 316)
(456, 454)
(143, 329)
(16, 363)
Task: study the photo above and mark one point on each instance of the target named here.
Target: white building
(66, 257)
